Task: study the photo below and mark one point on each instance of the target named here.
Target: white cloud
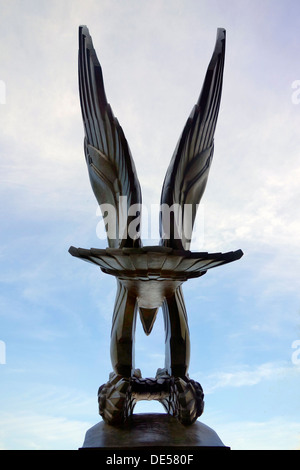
(245, 376)
(274, 434)
(33, 431)
(45, 417)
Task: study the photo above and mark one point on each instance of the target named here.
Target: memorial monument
(149, 277)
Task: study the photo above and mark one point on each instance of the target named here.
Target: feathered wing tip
(187, 174)
(110, 165)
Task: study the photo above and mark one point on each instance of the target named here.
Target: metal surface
(149, 277)
(151, 431)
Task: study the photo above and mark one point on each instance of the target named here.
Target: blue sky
(55, 311)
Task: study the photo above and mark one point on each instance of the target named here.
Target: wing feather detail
(187, 174)
(110, 165)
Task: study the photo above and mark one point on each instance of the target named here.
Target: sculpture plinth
(149, 277)
(149, 434)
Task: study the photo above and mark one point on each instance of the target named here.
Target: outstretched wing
(111, 168)
(187, 174)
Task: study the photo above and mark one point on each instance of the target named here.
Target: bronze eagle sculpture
(149, 277)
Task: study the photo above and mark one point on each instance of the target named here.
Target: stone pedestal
(152, 433)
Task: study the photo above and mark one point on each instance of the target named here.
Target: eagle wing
(187, 174)
(110, 165)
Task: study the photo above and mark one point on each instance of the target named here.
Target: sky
(55, 310)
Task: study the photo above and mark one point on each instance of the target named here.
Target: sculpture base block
(149, 434)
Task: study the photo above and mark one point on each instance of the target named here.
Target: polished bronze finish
(149, 277)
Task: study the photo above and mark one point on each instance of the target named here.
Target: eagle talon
(181, 397)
